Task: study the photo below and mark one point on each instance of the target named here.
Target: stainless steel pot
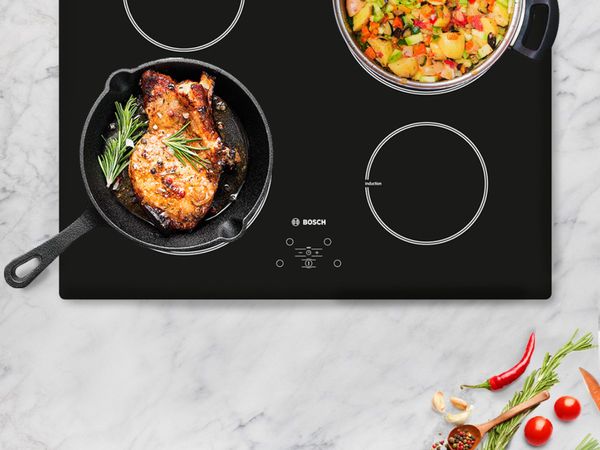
(520, 25)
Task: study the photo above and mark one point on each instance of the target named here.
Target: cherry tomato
(538, 431)
(567, 408)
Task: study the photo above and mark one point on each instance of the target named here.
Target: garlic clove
(459, 418)
(438, 403)
(459, 403)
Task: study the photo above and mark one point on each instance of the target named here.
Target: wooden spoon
(479, 431)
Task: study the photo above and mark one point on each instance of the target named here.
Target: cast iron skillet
(210, 235)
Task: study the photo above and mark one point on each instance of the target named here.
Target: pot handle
(550, 31)
(49, 250)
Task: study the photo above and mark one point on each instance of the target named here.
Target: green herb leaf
(118, 148)
(539, 380)
(184, 151)
(588, 443)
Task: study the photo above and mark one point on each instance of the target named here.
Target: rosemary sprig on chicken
(118, 148)
(184, 150)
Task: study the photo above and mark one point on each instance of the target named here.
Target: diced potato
(489, 26)
(436, 50)
(500, 14)
(383, 48)
(452, 45)
(443, 17)
(437, 2)
(354, 6)
(405, 67)
(362, 17)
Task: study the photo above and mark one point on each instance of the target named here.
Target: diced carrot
(419, 49)
(370, 53)
(397, 23)
(374, 27)
(469, 46)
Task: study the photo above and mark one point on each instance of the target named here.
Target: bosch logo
(314, 222)
(296, 222)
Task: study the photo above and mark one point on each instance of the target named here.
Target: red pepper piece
(498, 382)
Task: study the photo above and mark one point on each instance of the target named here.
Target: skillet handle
(550, 31)
(49, 250)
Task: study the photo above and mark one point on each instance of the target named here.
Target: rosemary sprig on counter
(183, 149)
(539, 380)
(118, 148)
(588, 443)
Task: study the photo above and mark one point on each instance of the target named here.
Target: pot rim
(417, 87)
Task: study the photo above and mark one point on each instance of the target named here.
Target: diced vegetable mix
(429, 40)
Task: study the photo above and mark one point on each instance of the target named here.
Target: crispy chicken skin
(177, 195)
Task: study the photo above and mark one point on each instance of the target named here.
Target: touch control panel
(309, 255)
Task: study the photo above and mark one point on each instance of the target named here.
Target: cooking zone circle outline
(184, 49)
(466, 228)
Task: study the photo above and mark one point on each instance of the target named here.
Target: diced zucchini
(378, 13)
(362, 17)
(484, 51)
(414, 39)
(479, 37)
(428, 79)
(395, 56)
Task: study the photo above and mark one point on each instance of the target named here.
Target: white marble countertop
(278, 374)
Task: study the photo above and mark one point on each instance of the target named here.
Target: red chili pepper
(497, 382)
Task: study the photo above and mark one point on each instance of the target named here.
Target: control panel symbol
(308, 256)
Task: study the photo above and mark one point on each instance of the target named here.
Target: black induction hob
(376, 194)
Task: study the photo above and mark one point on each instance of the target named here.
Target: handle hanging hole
(27, 268)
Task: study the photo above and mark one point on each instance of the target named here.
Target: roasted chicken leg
(178, 194)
